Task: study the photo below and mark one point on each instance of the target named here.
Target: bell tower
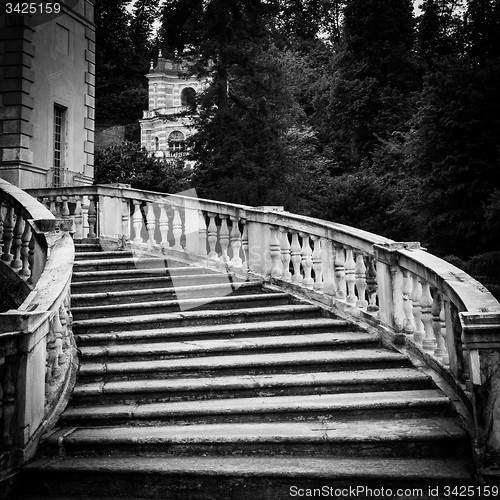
(166, 124)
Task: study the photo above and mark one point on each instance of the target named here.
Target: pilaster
(16, 103)
(481, 336)
(89, 97)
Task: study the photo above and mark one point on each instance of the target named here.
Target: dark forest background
(355, 111)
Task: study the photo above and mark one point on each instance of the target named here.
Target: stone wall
(44, 63)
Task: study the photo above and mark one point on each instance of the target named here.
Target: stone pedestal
(481, 335)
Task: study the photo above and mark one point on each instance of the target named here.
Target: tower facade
(167, 123)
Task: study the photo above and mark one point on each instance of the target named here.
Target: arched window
(157, 144)
(176, 143)
(188, 97)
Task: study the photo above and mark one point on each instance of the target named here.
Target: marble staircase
(196, 384)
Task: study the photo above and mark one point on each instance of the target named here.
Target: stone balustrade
(413, 298)
(37, 351)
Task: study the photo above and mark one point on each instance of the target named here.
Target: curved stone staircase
(193, 385)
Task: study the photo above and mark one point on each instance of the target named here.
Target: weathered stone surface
(247, 401)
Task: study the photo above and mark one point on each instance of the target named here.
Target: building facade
(47, 94)
(172, 101)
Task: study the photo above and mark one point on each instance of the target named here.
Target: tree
(374, 76)
(122, 55)
(176, 33)
(454, 149)
(239, 144)
(144, 13)
(128, 163)
(440, 30)
(112, 34)
(482, 29)
(303, 21)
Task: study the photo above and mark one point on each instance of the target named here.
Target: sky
(416, 4)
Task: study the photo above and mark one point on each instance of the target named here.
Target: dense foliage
(358, 111)
(128, 163)
(123, 53)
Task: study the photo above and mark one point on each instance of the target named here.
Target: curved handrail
(439, 312)
(37, 350)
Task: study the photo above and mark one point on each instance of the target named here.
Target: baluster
(3, 209)
(416, 295)
(340, 271)
(399, 317)
(85, 215)
(275, 252)
(224, 238)
(444, 332)
(58, 333)
(350, 276)
(9, 398)
(25, 251)
(65, 208)
(52, 205)
(125, 222)
(2, 365)
(150, 225)
(360, 274)
(177, 229)
(407, 289)
(92, 217)
(163, 223)
(51, 357)
(285, 255)
(372, 285)
(8, 228)
(244, 244)
(69, 316)
(78, 216)
(317, 264)
(437, 304)
(327, 266)
(137, 221)
(296, 259)
(462, 350)
(235, 237)
(212, 237)
(63, 318)
(426, 301)
(202, 234)
(17, 235)
(31, 257)
(307, 262)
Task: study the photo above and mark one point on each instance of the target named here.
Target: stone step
(249, 345)
(194, 318)
(189, 388)
(242, 477)
(166, 306)
(159, 294)
(236, 400)
(120, 263)
(94, 248)
(254, 364)
(144, 279)
(93, 255)
(116, 261)
(139, 270)
(422, 437)
(341, 406)
(232, 330)
(193, 349)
